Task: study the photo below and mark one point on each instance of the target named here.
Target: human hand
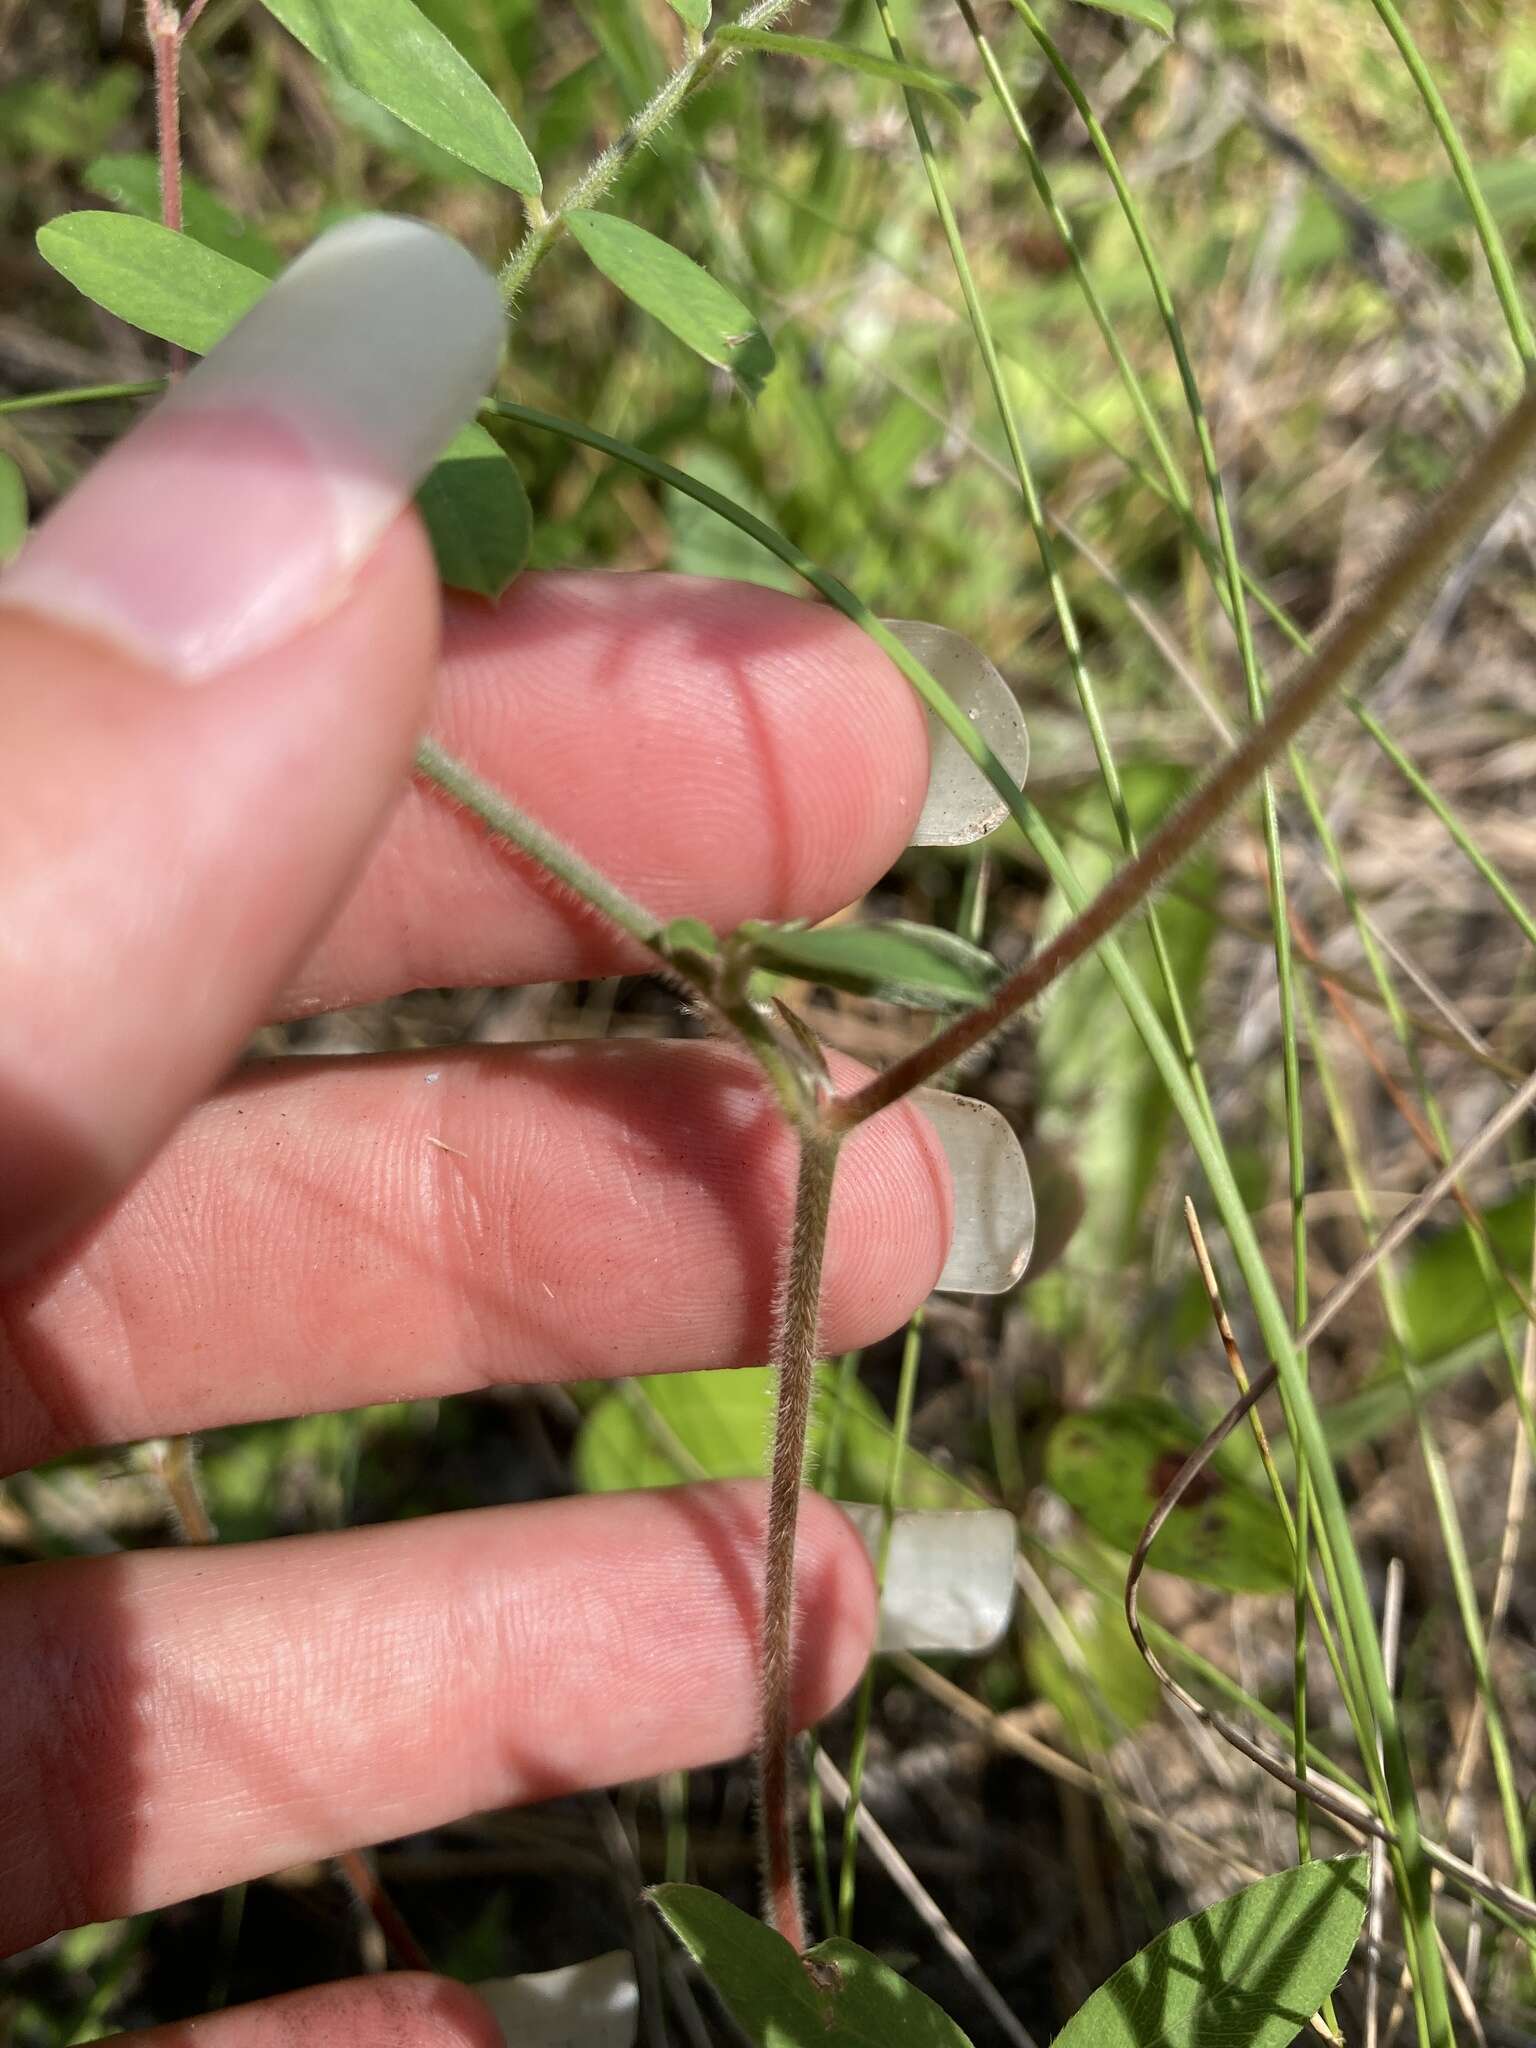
(215, 661)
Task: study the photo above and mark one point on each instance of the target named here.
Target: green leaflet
(673, 289)
(669, 1427)
(1106, 1691)
(1112, 1463)
(477, 514)
(1249, 1972)
(852, 2001)
(389, 50)
(167, 284)
(914, 77)
(893, 962)
(132, 183)
(1445, 1302)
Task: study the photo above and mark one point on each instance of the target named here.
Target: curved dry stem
(796, 1362)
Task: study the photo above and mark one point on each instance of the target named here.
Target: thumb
(215, 657)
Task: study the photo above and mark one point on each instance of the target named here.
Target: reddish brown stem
(364, 1880)
(796, 1360)
(164, 28)
(1456, 516)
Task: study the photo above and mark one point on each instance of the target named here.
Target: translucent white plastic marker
(961, 805)
(585, 2005)
(948, 1580)
(994, 1203)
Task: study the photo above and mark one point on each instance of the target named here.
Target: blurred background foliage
(1347, 345)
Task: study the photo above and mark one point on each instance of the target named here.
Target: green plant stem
(906, 1395)
(1230, 583)
(1452, 519)
(1425, 790)
(1344, 1665)
(83, 394)
(1437, 1135)
(831, 1462)
(501, 816)
(674, 1807)
(1035, 513)
(1494, 251)
(435, 764)
(816, 1828)
(1172, 491)
(1237, 608)
(821, 580)
(690, 77)
(1441, 1493)
(796, 1363)
(1167, 312)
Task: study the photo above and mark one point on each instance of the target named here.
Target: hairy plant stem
(503, 818)
(435, 764)
(691, 76)
(164, 28)
(1454, 518)
(795, 1360)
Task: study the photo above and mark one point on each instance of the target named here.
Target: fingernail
(994, 1203)
(961, 805)
(586, 2005)
(243, 505)
(948, 1578)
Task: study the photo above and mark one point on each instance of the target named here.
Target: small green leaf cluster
(892, 962)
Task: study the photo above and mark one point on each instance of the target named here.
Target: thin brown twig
(164, 28)
(1457, 515)
(368, 1887)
